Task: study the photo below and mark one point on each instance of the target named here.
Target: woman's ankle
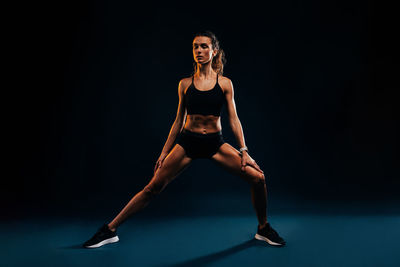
(111, 228)
(261, 226)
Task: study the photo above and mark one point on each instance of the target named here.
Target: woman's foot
(102, 237)
(269, 235)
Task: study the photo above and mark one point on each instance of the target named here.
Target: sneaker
(103, 236)
(269, 235)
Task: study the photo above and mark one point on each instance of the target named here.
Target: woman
(200, 137)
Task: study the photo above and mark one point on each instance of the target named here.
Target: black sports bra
(207, 102)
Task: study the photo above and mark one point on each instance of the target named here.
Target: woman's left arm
(236, 125)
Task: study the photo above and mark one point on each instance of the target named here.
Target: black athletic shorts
(199, 145)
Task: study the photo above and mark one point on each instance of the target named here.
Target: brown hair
(219, 60)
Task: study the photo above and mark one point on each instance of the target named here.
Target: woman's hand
(160, 161)
(247, 160)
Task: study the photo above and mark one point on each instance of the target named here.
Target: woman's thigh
(174, 163)
(229, 158)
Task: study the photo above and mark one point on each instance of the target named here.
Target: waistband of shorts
(188, 132)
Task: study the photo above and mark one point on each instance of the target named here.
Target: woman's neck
(204, 71)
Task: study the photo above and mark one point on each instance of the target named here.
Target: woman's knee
(153, 188)
(258, 178)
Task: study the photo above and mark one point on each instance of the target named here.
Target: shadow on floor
(216, 256)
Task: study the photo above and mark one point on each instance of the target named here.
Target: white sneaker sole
(263, 238)
(104, 242)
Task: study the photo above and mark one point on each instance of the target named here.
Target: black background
(95, 93)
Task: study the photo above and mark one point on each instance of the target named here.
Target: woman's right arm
(176, 126)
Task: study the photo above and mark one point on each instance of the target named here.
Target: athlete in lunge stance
(201, 98)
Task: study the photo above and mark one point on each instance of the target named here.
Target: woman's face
(202, 49)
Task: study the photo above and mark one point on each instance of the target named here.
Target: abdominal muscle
(203, 124)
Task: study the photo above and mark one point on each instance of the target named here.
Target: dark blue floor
(313, 239)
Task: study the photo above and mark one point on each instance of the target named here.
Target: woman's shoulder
(185, 81)
(225, 83)
(224, 79)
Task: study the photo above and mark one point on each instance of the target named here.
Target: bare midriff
(203, 124)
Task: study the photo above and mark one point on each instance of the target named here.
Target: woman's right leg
(174, 163)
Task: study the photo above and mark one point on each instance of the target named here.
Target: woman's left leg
(229, 158)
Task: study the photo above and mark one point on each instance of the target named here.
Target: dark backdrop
(96, 95)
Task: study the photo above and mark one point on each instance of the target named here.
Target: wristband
(243, 149)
